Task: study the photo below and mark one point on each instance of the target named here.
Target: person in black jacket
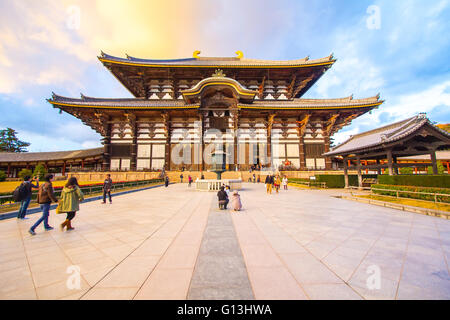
(107, 185)
(223, 198)
(28, 186)
(269, 183)
(166, 181)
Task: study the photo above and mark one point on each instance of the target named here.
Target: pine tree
(10, 143)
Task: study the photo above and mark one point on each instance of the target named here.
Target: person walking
(69, 202)
(236, 203)
(202, 177)
(107, 186)
(223, 198)
(181, 178)
(28, 187)
(285, 183)
(190, 180)
(45, 197)
(277, 183)
(269, 183)
(166, 182)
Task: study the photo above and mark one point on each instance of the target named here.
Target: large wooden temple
(187, 107)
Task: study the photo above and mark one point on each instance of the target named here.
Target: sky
(400, 49)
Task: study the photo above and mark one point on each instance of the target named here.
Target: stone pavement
(174, 243)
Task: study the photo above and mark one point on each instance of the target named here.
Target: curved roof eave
(219, 62)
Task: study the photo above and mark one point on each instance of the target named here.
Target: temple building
(185, 107)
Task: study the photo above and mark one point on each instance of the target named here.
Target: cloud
(432, 100)
(45, 46)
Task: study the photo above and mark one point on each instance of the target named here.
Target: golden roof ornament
(240, 55)
(196, 53)
(219, 73)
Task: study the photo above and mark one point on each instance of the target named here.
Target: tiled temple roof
(141, 103)
(217, 61)
(49, 156)
(348, 102)
(138, 103)
(384, 135)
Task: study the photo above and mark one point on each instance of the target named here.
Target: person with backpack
(107, 186)
(24, 193)
(181, 178)
(69, 203)
(45, 197)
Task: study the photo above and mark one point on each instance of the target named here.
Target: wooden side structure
(59, 162)
(383, 146)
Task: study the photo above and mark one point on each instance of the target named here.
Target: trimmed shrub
(332, 181)
(39, 171)
(2, 175)
(434, 181)
(413, 189)
(338, 181)
(25, 172)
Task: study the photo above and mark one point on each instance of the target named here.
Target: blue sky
(400, 49)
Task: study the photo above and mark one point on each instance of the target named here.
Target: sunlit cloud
(52, 45)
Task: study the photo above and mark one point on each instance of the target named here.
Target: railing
(398, 192)
(7, 200)
(215, 185)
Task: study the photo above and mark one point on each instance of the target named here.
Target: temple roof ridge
(226, 61)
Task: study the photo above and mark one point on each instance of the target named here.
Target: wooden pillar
(302, 154)
(396, 172)
(269, 137)
(82, 163)
(434, 162)
(358, 166)
(235, 140)
(367, 163)
(346, 173)
(415, 170)
(134, 134)
(167, 131)
(328, 164)
(9, 170)
(448, 167)
(107, 149)
(390, 167)
(269, 147)
(64, 169)
(379, 167)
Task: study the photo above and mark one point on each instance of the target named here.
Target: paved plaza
(174, 243)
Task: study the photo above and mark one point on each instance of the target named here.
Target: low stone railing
(214, 185)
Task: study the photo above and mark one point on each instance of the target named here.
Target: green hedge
(413, 195)
(436, 181)
(338, 181)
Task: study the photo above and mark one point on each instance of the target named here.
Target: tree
(2, 175)
(25, 172)
(39, 171)
(10, 143)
